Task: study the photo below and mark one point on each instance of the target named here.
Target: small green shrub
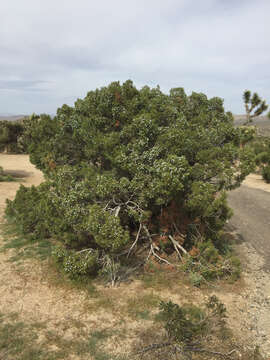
(189, 323)
(194, 332)
(266, 173)
(183, 324)
(206, 263)
(32, 210)
(195, 278)
(263, 158)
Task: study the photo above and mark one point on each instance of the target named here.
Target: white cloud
(65, 48)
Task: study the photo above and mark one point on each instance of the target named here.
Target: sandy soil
(17, 165)
(255, 181)
(28, 289)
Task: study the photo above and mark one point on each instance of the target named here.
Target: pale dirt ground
(28, 290)
(255, 181)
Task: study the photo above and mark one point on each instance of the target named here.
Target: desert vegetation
(190, 330)
(134, 196)
(133, 178)
(254, 106)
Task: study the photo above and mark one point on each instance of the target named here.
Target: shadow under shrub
(5, 177)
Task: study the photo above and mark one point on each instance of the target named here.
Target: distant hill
(261, 122)
(11, 117)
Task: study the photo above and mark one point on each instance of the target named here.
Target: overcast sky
(54, 51)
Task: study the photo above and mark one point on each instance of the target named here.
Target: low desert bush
(32, 210)
(189, 323)
(190, 330)
(131, 170)
(205, 263)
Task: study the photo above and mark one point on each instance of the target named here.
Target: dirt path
(17, 165)
(255, 181)
(251, 219)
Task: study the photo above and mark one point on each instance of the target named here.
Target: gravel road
(251, 219)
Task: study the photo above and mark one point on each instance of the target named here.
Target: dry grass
(52, 317)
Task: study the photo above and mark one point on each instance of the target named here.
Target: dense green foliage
(126, 165)
(10, 133)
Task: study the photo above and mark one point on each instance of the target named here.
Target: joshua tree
(254, 105)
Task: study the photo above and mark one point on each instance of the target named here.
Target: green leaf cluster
(76, 264)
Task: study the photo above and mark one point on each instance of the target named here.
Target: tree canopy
(130, 169)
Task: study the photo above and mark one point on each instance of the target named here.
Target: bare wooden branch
(107, 205)
(136, 240)
(213, 352)
(89, 250)
(178, 245)
(158, 257)
(153, 347)
(175, 246)
(135, 205)
(152, 249)
(147, 233)
(117, 211)
(185, 354)
(148, 256)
